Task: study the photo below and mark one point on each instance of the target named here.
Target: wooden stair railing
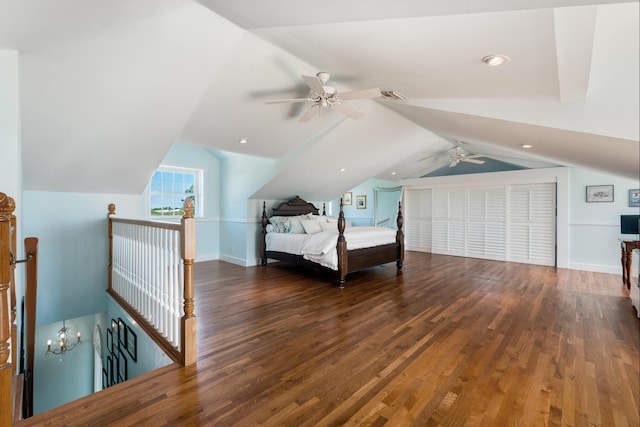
(150, 275)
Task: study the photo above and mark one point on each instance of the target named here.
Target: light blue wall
(208, 227)
(149, 355)
(357, 216)
(594, 228)
(241, 177)
(72, 249)
(58, 380)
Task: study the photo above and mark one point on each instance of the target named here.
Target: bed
(337, 247)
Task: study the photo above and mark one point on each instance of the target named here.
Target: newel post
(111, 214)
(6, 375)
(188, 251)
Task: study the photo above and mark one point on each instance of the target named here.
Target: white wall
(594, 228)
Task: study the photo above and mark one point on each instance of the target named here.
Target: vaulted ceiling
(107, 87)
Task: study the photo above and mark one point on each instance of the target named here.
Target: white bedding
(321, 247)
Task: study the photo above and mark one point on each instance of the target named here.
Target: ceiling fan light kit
(323, 96)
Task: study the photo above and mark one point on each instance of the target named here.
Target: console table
(627, 247)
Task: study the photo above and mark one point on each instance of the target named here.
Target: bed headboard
(293, 207)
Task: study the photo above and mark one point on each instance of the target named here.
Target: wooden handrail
(186, 353)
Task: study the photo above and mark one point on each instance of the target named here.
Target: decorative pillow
(269, 228)
(311, 226)
(280, 224)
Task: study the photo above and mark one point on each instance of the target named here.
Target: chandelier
(63, 342)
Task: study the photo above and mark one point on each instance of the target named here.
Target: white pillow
(296, 225)
(332, 226)
(311, 226)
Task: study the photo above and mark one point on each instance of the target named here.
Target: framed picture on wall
(361, 202)
(132, 344)
(346, 199)
(634, 197)
(599, 193)
(121, 367)
(110, 347)
(122, 333)
(105, 379)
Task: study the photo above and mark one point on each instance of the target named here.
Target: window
(170, 187)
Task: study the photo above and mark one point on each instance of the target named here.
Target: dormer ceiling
(107, 87)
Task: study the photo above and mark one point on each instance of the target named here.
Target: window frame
(198, 190)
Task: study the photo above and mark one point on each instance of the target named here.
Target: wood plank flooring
(447, 342)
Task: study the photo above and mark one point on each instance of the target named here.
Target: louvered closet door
(532, 233)
(449, 222)
(418, 220)
(486, 223)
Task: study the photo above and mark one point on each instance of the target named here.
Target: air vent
(392, 94)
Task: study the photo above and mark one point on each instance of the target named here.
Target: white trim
(234, 260)
(594, 223)
(206, 258)
(597, 268)
(240, 220)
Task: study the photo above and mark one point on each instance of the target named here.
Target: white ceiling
(107, 87)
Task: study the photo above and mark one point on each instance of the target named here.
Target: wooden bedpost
(324, 210)
(263, 242)
(341, 247)
(400, 237)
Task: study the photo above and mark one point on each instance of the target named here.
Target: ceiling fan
(458, 157)
(322, 95)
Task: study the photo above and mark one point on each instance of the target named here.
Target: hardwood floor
(449, 341)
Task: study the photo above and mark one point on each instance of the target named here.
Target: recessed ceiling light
(526, 146)
(343, 169)
(495, 60)
(243, 140)
(393, 173)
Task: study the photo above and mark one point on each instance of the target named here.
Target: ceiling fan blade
(453, 163)
(314, 84)
(477, 162)
(309, 113)
(347, 111)
(359, 94)
(282, 101)
(474, 156)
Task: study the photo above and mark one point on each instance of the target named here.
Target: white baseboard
(206, 258)
(596, 268)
